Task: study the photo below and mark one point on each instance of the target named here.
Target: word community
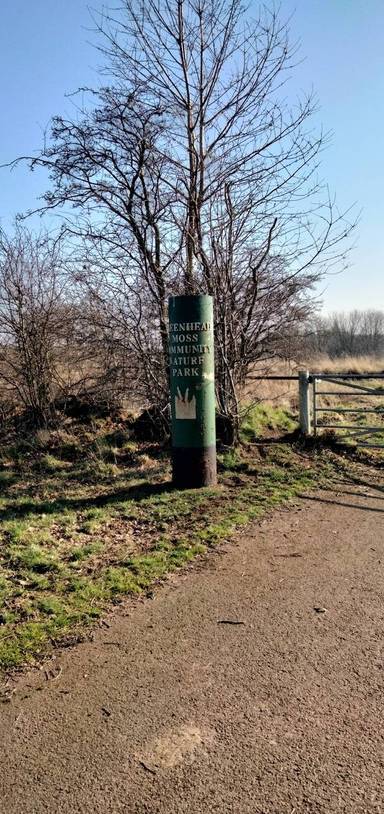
(186, 354)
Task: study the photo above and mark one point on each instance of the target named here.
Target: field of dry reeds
(285, 393)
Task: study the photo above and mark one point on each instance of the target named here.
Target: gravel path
(175, 708)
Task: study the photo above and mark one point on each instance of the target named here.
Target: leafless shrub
(33, 320)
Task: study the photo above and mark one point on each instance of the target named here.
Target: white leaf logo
(185, 407)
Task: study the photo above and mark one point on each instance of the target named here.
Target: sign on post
(192, 383)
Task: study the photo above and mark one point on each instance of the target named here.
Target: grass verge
(80, 533)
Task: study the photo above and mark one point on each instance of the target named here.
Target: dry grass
(285, 393)
(349, 364)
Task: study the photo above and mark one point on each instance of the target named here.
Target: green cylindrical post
(192, 381)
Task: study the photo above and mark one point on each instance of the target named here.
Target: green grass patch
(265, 417)
(82, 552)
(33, 557)
(48, 463)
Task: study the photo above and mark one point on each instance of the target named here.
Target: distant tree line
(355, 333)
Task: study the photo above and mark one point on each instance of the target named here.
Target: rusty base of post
(193, 468)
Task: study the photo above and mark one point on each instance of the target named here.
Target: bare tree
(372, 332)
(353, 333)
(33, 316)
(200, 176)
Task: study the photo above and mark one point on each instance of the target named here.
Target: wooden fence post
(304, 403)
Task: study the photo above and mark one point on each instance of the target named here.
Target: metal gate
(361, 389)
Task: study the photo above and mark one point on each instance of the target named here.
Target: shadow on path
(352, 494)
(359, 506)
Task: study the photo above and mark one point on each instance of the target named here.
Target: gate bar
(380, 411)
(330, 376)
(359, 387)
(345, 393)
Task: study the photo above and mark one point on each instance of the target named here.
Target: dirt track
(171, 710)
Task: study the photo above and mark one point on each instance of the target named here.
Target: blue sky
(46, 52)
